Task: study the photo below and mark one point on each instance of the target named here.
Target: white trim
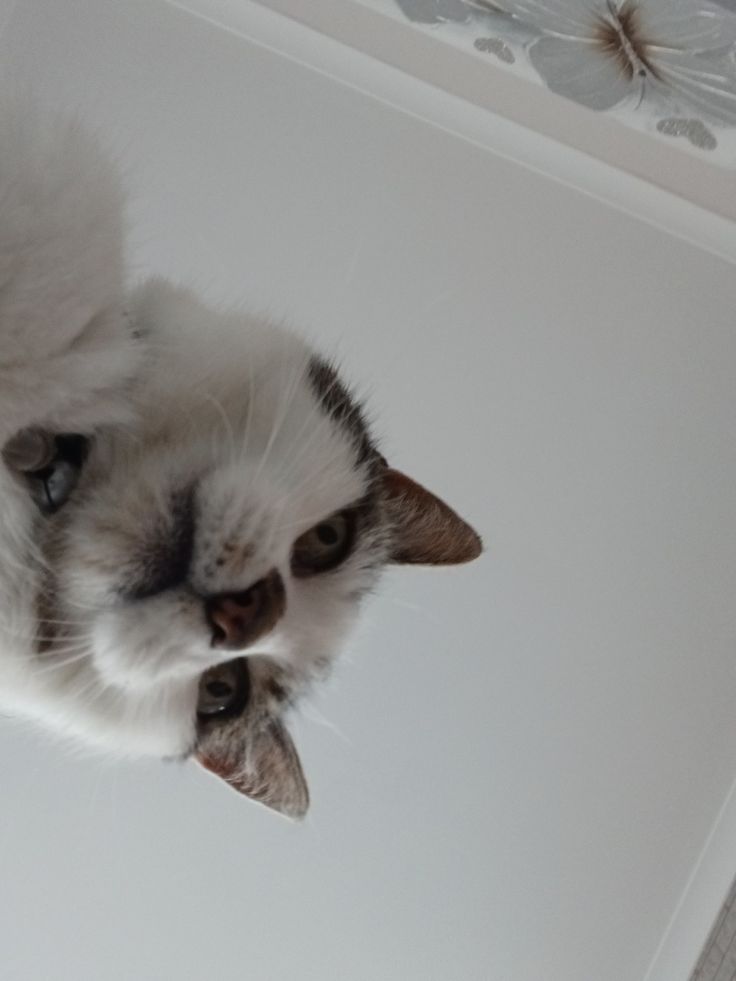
(701, 899)
(532, 149)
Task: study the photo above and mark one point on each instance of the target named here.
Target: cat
(193, 504)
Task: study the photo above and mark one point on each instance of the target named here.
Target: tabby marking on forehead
(338, 403)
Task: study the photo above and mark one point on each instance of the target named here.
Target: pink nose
(239, 619)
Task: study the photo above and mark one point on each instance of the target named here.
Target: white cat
(192, 505)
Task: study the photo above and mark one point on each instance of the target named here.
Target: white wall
(522, 759)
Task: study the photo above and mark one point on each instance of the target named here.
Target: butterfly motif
(604, 53)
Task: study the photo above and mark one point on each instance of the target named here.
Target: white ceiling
(519, 762)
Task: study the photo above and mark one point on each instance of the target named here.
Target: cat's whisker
(31, 557)
(285, 404)
(57, 653)
(61, 663)
(53, 641)
(245, 444)
(317, 412)
(68, 672)
(291, 463)
(306, 483)
(225, 421)
(74, 603)
(313, 714)
(90, 685)
(414, 608)
(61, 621)
(30, 630)
(53, 621)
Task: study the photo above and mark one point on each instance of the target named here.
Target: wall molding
(701, 900)
(270, 25)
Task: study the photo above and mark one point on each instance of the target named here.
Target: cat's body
(191, 503)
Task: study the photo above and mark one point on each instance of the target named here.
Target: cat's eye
(223, 690)
(324, 546)
(55, 471)
(52, 485)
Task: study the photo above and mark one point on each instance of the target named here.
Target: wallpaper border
(393, 62)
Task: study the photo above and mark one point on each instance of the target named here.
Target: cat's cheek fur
(319, 620)
(151, 643)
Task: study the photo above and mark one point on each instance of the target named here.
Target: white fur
(220, 402)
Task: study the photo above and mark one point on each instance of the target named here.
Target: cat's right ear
(426, 531)
(261, 763)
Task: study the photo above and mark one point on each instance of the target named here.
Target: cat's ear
(264, 766)
(425, 529)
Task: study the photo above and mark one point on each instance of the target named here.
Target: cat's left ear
(426, 531)
(262, 764)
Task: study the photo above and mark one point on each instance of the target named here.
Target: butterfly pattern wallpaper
(663, 66)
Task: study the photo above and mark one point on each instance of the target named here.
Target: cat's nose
(238, 619)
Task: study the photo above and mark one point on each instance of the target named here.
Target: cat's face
(209, 559)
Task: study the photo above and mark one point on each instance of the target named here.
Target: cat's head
(204, 563)
(193, 505)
